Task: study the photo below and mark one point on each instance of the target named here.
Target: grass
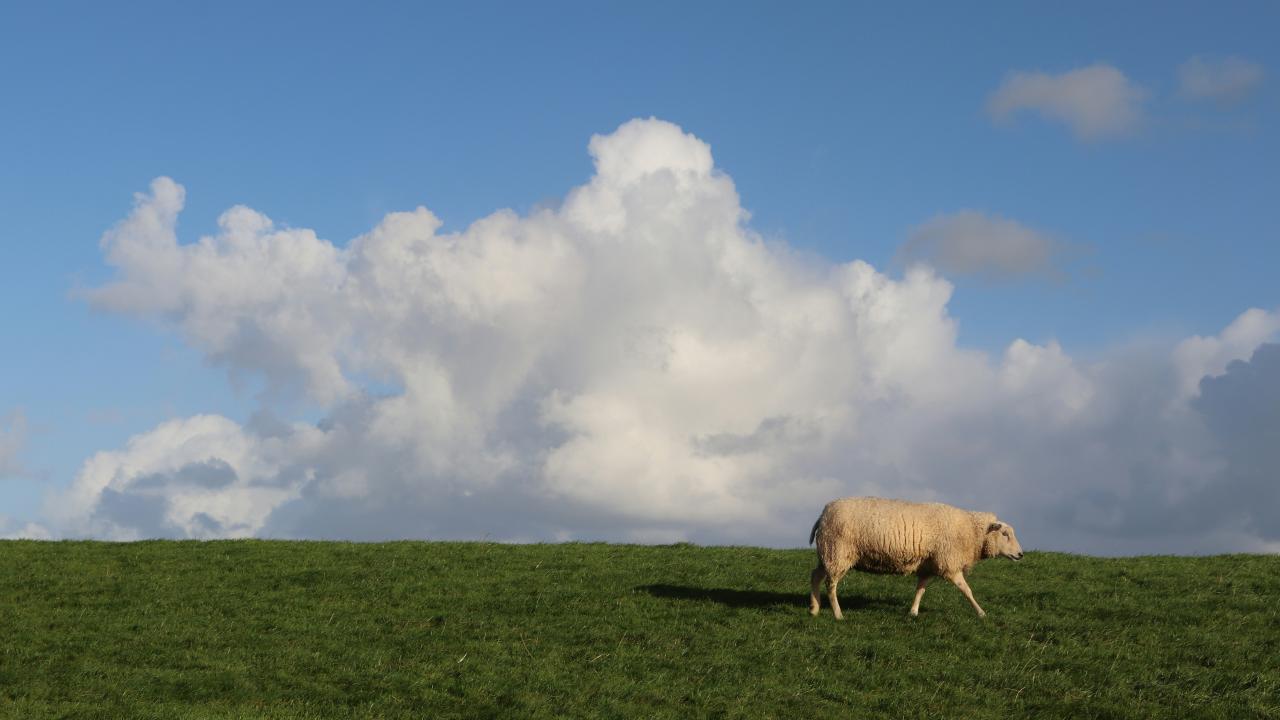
(268, 629)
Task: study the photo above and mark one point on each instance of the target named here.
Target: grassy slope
(291, 630)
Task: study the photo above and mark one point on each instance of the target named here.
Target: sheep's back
(885, 536)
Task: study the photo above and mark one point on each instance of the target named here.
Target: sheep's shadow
(756, 598)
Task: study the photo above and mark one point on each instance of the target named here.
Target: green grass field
(263, 629)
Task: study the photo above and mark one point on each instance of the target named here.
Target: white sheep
(899, 537)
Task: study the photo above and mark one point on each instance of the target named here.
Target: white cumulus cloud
(1202, 357)
(636, 364)
(1096, 102)
(203, 476)
(1225, 80)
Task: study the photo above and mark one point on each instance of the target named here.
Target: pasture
(273, 629)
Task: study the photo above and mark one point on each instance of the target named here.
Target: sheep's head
(1001, 542)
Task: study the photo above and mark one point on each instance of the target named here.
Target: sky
(679, 272)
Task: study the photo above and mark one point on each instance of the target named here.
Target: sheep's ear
(995, 526)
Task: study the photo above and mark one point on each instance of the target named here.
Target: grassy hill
(257, 629)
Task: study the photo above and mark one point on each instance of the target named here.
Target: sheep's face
(1001, 542)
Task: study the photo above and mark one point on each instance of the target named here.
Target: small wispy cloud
(1224, 80)
(13, 436)
(10, 529)
(1096, 102)
(987, 246)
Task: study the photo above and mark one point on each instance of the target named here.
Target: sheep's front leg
(920, 585)
(958, 579)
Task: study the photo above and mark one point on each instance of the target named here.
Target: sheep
(898, 537)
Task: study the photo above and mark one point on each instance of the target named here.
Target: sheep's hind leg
(833, 579)
(920, 585)
(815, 585)
(958, 579)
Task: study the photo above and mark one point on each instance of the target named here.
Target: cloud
(988, 246)
(10, 530)
(1200, 357)
(13, 438)
(203, 477)
(1096, 102)
(254, 298)
(636, 364)
(1242, 410)
(1224, 80)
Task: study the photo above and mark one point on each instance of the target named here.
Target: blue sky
(844, 127)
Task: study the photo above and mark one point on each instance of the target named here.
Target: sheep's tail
(814, 532)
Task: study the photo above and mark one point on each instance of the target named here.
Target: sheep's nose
(1019, 557)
